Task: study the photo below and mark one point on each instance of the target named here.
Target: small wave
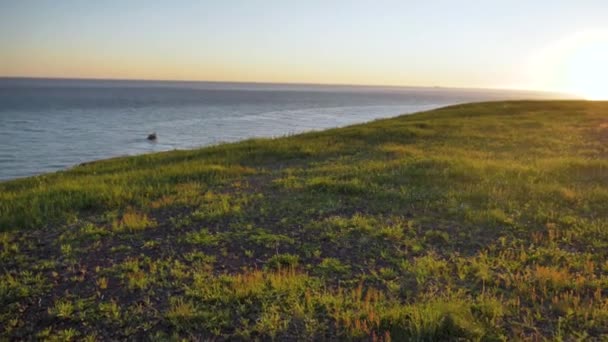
(33, 129)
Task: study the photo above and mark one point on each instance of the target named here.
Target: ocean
(53, 124)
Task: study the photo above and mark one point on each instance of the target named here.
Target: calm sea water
(48, 125)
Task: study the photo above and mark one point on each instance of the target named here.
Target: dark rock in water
(152, 136)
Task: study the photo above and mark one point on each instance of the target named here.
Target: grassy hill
(481, 221)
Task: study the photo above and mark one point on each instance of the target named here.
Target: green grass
(482, 221)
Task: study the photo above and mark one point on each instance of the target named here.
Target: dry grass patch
(133, 221)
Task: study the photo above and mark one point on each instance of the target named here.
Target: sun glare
(586, 67)
(576, 64)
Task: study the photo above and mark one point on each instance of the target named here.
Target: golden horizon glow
(397, 44)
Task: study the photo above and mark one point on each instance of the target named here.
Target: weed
(62, 309)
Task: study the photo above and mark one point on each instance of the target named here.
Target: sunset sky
(548, 45)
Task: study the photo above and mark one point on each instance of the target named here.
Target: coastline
(211, 144)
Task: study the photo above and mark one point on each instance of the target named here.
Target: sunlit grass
(473, 222)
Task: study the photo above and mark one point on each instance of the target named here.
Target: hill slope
(478, 221)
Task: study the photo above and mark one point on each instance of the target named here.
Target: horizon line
(280, 83)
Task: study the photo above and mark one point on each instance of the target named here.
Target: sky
(541, 44)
